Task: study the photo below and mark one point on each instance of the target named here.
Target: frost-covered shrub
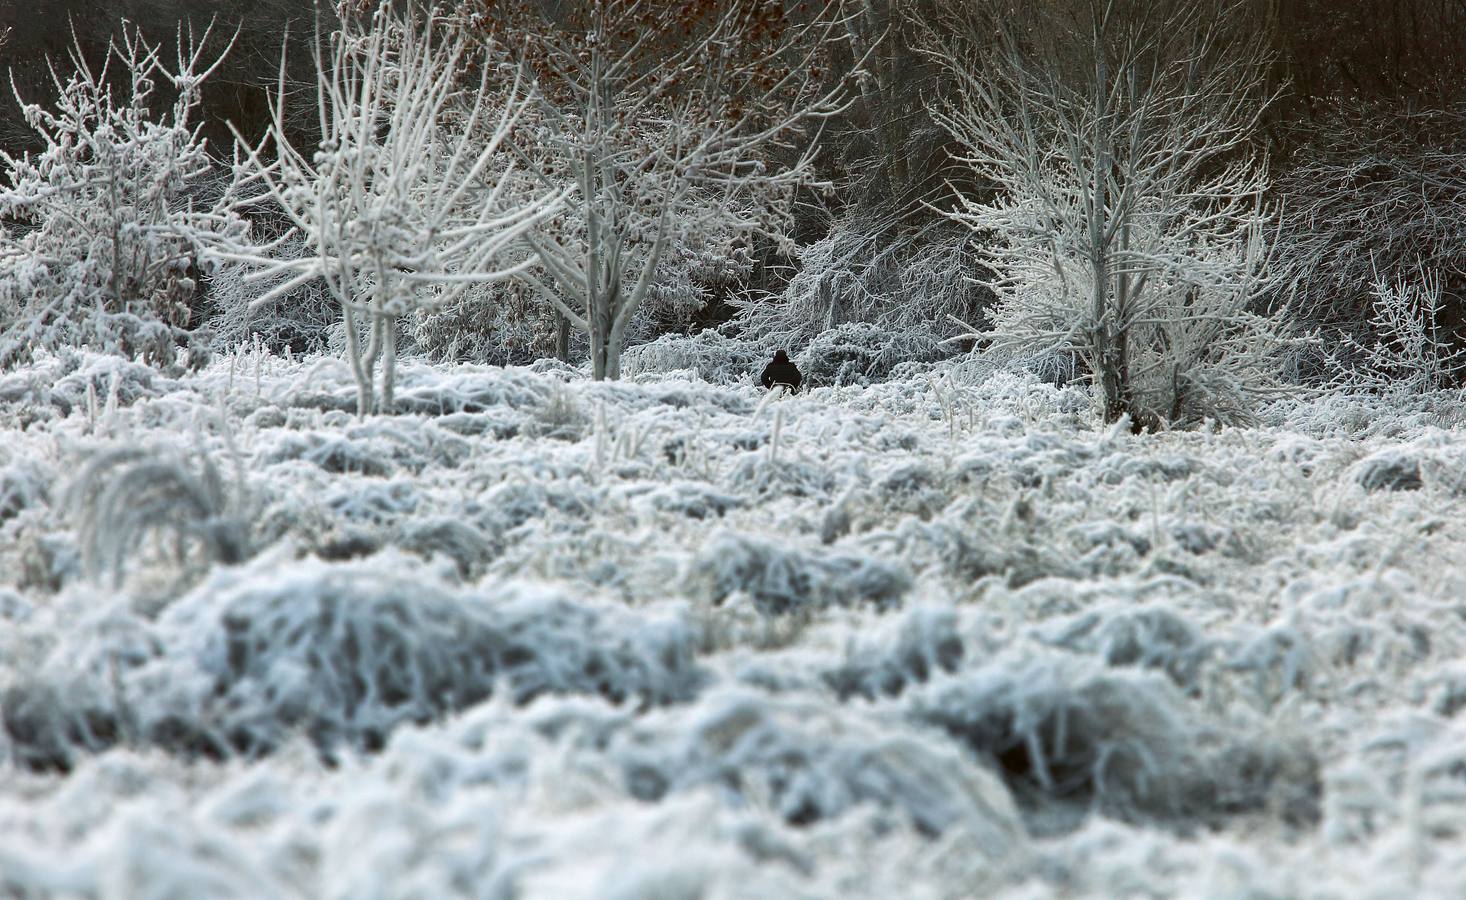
(1064, 728)
(124, 494)
(717, 358)
(508, 324)
(501, 324)
(403, 203)
(1410, 349)
(690, 276)
(857, 352)
(784, 579)
(299, 321)
(860, 273)
(112, 210)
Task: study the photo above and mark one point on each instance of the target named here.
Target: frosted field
(540, 637)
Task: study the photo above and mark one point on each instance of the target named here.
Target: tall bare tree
(670, 120)
(1130, 225)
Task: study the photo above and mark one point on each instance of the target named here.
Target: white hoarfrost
(534, 635)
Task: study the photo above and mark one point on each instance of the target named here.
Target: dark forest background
(1365, 140)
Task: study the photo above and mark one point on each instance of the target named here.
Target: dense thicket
(1358, 119)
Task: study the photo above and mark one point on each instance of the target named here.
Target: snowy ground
(538, 637)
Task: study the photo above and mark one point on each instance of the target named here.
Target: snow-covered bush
(656, 167)
(499, 324)
(1198, 346)
(1154, 272)
(716, 357)
(690, 276)
(507, 323)
(860, 352)
(105, 224)
(918, 286)
(1373, 201)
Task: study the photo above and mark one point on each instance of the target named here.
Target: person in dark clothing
(781, 371)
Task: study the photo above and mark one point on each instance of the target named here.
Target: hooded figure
(781, 371)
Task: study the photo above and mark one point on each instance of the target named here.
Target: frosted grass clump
(783, 579)
(343, 653)
(444, 536)
(809, 762)
(352, 650)
(79, 381)
(24, 485)
(1064, 729)
(1390, 470)
(895, 656)
(123, 494)
(1150, 637)
(795, 756)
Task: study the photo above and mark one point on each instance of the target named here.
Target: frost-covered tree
(1129, 227)
(404, 203)
(667, 119)
(104, 226)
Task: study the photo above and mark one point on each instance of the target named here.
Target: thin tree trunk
(562, 337)
(600, 343)
(389, 365)
(359, 370)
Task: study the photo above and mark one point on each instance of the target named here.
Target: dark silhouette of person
(781, 371)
